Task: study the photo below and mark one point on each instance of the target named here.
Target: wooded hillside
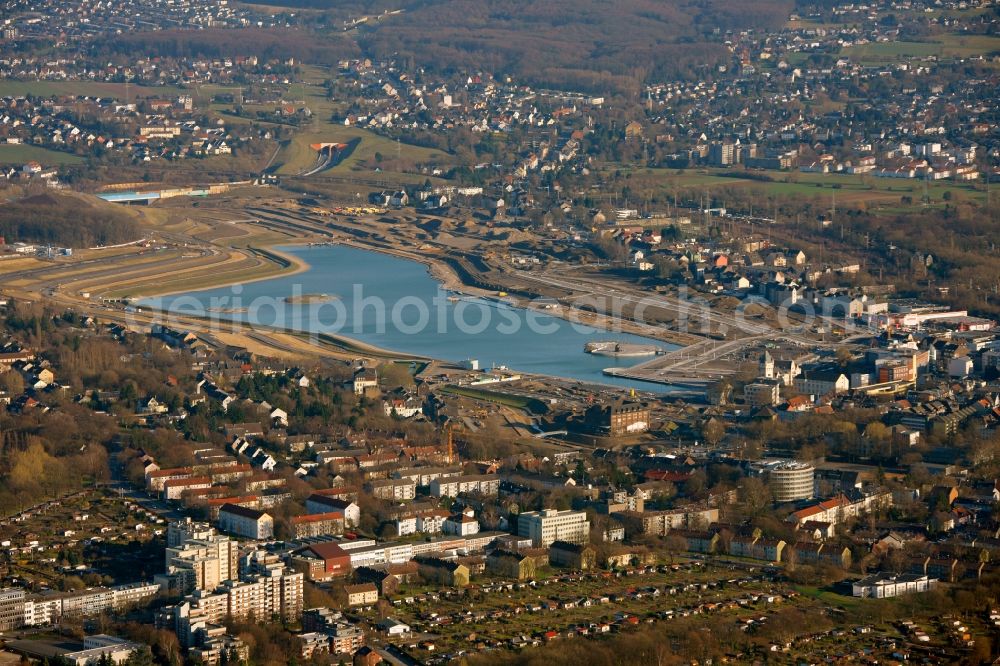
(65, 221)
(588, 45)
(280, 44)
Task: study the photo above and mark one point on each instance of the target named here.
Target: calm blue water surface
(396, 304)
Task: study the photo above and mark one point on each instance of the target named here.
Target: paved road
(274, 156)
(699, 314)
(687, 362)
(155, 506)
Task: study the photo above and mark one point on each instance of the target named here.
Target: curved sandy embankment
(438, 269)
(290, 265)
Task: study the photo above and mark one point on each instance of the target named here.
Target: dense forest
(69, 221)
(585, 45)
(605, 48)
(272, 43)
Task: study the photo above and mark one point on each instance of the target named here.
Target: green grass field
(226, 111)
(514, 401)
(850, 189)
(944, 46)
(11, 88)
(297, 155)
(202, 93)
(21, 153)
(829, 598)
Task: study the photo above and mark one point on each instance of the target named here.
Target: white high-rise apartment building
(544, 527)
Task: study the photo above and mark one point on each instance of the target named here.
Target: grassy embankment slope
(297, 155)
(18, 154)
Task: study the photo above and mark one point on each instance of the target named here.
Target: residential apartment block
(394, 490)
(246, 522)
(196, 558)
(544, 527)
(320, 524)
(484, 484)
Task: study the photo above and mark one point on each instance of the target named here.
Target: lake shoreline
(440, 271)
(558, 364)
(450, 281)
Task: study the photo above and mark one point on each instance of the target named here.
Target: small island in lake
(311, 299)
(612, 348)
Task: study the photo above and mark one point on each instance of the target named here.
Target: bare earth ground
(230, 240)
